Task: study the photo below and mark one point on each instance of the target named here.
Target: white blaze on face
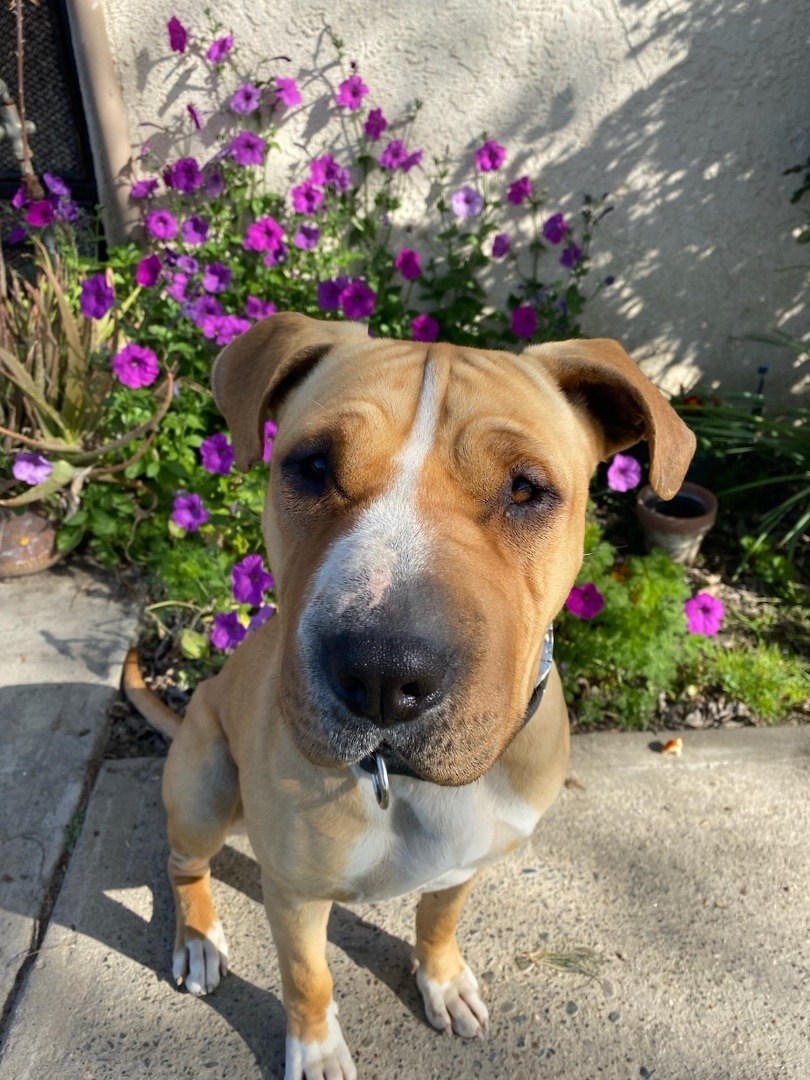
(389, 545)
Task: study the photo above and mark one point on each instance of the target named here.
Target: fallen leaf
(674, 746)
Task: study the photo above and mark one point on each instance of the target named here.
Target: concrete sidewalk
(666, 902)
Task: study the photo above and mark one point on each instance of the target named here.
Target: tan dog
(424, 523)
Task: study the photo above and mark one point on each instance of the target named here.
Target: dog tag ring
(379, 781)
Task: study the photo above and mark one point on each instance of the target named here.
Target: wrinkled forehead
(379, 387)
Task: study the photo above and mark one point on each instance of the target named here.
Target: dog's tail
(147, 703)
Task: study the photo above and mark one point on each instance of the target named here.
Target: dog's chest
(433, 837)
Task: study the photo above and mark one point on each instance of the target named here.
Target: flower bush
(487, 265)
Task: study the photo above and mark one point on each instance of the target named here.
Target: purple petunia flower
(66, 210)
(246, 99)
(704, 614)
(467, 202)
(188, 511)
(216, 277)
(409, 264)
(375, 124)
(501, 245)
(250, 580)
(40, 213)
(228, 327)
(228, 630)
(306, 198)
(571, 256)
(264, 235)
(490, 156)
(307, 237)
(395, 155)
(177, 288)
(624, 473)
(265, 613)
(178, 35)
(411, 161)
(214, 185)
(31, 468)
(161, 224)
(276, 256)
(205, 307)
(270, 432)
(351, 92)
(143, 189)
(524, 321)
(357, 300)
(188, 264)
(16, 236)
(195, 230)
(424, 328)
(325, 172)
(217, 454)
(20, 198)
(287, 92)
(148, 271)
(135, 366)
(555, 229)
(186, 176)
(97, 297)
(585, 601)
(329, 293)
(196, 119)
(247, 148)
(220, 49)
(56, 185)
(259, 309)
(519, 191)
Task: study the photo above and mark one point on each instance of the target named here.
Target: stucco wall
(686, 111)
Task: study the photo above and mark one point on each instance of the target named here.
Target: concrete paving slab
(63, 637)
(679, 883)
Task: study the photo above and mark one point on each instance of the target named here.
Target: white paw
(201, 962)
(327, 1060)
(454, 1005)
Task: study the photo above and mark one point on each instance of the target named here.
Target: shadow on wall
(692, 154)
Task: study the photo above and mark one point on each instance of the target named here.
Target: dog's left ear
(251, 375)
(598, 376)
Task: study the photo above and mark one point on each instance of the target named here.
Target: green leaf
(193, 644)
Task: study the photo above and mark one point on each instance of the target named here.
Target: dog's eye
(309, 471)
(524, 490)
(527, 494)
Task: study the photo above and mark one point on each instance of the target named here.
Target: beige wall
(686, 111)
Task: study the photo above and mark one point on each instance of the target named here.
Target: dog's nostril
(413, 690)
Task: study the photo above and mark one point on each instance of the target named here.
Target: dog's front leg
(449, 989)
(316, 1049)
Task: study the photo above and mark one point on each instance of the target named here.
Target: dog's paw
(326, 1060)
(200, 962)
(454, 1005)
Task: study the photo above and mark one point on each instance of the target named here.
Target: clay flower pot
(677, 525)
(27, 542)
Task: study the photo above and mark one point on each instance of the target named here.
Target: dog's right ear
(252, 374)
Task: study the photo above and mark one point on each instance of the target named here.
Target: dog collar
(381, 766)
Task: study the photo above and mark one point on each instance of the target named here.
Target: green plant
(56, 393)
(766, 452)
(767, 681)
(618, 661)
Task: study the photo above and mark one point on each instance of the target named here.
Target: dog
(400, 723)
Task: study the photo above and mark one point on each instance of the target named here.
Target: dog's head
(424, 523)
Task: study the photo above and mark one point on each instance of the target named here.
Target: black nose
(385, 679)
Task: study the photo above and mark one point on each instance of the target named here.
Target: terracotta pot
(678, 525)
(27, 542)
